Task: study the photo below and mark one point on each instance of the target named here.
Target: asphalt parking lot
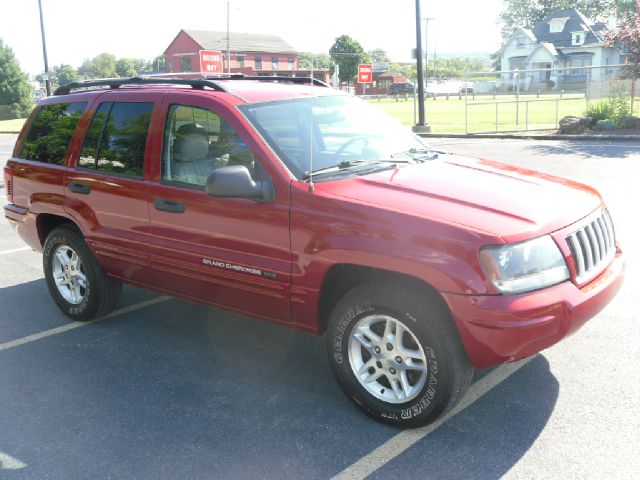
(165, 389)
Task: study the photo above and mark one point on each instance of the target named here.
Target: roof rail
(119, 82)
(269, 78)
(282, 78)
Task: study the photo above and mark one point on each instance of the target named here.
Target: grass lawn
(11, 125)
(448, 116)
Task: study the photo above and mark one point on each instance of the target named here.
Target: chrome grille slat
(601, 245)
(593, 244)
(593, 247)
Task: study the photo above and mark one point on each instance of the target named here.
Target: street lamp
(47, 83)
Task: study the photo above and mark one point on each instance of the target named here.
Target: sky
(80, 29)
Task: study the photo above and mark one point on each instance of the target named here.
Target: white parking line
(74, 325)
(7, 462)
(21, 249)
(405, 439)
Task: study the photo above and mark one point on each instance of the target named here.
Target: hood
(503, 200)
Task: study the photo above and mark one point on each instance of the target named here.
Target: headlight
(524, 266)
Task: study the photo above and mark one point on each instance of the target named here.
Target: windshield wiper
(348, 164)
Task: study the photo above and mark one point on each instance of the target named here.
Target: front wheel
(397, 355)
(75, 280)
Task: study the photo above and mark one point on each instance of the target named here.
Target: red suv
(303, 206)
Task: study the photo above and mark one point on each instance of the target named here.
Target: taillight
(8, 183)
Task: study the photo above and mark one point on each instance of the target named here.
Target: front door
(231, 252)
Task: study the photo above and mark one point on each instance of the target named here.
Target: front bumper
(500, 328)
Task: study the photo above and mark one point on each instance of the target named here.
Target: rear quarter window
(116, 139)
(49, 134)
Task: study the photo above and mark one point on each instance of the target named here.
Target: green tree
(126, 67)
(628, 37)
(378, 55)
(102, 66)
(157, 64)
(525, 13)
(308, 60)
(15, 89)
(347, 53)
(63, 74)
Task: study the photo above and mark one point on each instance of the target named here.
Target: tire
(75, 280)
(369, 368)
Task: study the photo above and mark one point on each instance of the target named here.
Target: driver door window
(197, 142)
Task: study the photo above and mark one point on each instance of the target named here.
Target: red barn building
(250, 53)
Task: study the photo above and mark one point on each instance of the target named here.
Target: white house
(565, 41)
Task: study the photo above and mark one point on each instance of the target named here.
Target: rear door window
(117, 137)
(50, 132)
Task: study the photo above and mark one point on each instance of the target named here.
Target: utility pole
(228, 43)
(421, 126)
(47, 82)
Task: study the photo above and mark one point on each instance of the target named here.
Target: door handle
(79, 188)
(168, 206)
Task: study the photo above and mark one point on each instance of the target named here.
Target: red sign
(365, 73)
(210, 61)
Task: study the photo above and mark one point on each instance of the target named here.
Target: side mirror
(235, 182)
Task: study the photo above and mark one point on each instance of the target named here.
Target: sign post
(365, 75)
(210, 61)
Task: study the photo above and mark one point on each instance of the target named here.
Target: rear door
(106, 191)
(232, 252)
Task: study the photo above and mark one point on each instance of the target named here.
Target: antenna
(311, 187)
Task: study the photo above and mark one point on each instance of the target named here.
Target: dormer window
(520, 42)
(577, 38)
(557, 25)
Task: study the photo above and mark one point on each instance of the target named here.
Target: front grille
(593, 247)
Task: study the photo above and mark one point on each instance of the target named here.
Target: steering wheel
(351, 141)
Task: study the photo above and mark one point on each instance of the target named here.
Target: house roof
(240, 42)
(576, 22)
(550, 49)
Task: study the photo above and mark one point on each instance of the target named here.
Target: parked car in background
(402, 88)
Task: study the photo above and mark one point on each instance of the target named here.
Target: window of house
(240, 61)
(557, 25)
(185, 64)
(196, 142)
(274, 63)
(117, 137)
(520, 42)
(291, 63)
(50, 133)
(578, 38)
(258, 63)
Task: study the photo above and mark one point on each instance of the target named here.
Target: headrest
(191, 143)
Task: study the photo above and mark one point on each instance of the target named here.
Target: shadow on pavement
(176, 390)
(488, 438)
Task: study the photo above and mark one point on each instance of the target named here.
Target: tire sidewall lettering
(51, 245)
(423, 404)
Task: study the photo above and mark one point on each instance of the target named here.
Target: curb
(9, 133)
(506, 136)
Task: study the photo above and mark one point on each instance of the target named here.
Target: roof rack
(119, 82)
(269, 78)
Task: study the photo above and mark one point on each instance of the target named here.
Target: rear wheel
(75, 280)
(396, 355)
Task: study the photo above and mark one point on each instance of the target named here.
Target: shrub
(605, 124)
(615, 109)
(601, 110)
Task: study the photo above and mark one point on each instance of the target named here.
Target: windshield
(330, 133)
